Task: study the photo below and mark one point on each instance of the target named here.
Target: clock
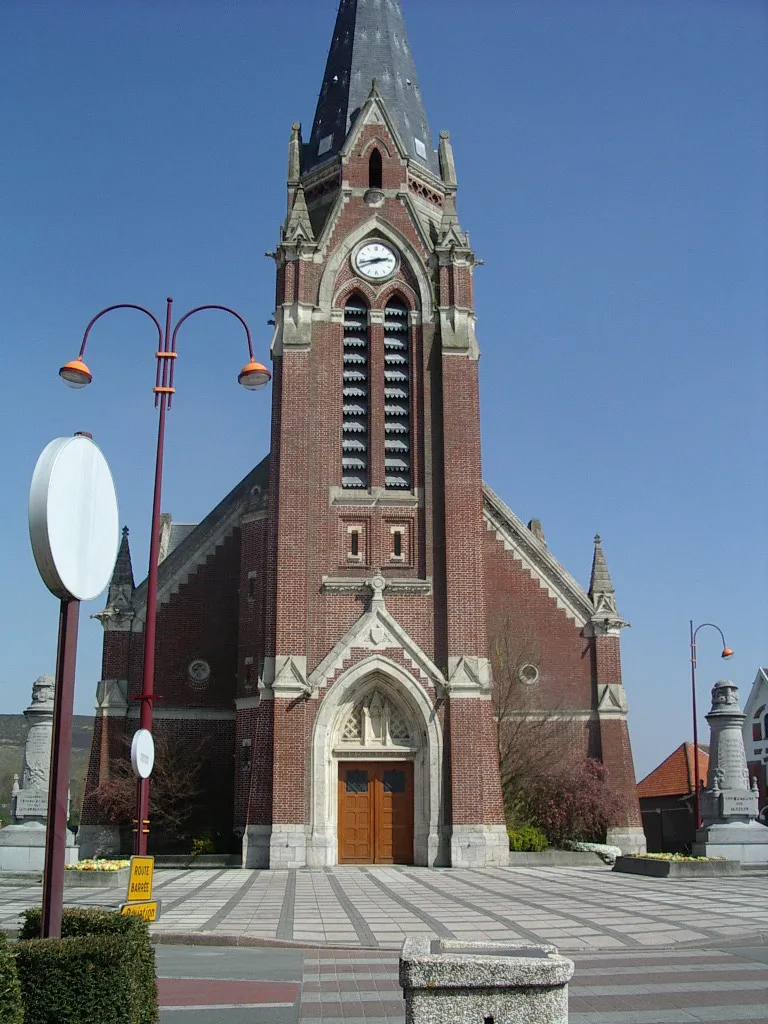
(375, 261)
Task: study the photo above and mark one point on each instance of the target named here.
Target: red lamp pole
(726, 653)
(253, 376)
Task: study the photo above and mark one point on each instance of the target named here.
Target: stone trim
(612, 701)
(356, 585)
(469, 677)
(247, 703)
(376, 497)
(479, 846)
(408, 693)
(550, 716)
(376, 630)
(197, 546)
(387, 232)
(186, 714)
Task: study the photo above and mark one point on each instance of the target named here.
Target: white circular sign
(142, 753)
(73, 520)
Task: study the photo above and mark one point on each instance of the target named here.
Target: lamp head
(254, 376)
(727, 653)
(75, 374)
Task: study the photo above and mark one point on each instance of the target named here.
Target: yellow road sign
(140, 880)
(149, 909)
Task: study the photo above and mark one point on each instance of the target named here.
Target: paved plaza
(376, 907)
(251, 947)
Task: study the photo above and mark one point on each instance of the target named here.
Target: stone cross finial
(377, 583)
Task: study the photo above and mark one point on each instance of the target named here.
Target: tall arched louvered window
(355, 420)
(397, 397)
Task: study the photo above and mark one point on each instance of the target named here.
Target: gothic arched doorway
(376, 770)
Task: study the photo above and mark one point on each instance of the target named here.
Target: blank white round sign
(73, 519)
(142, 753)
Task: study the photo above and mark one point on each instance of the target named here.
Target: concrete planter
(467, 982)
(677, 868)
(96, 879)
(188, 861)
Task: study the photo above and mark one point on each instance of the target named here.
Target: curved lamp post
(76, 374)
(726, 653)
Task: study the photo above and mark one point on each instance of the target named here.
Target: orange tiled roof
(674, 777)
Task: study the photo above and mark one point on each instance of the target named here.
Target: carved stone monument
(22, 844)
(729, 805)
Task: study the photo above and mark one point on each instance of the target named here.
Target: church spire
(600, 581)
(123, 571)
(369, 41)
(119, 611)
(602, 594)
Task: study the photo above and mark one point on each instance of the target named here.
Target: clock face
(375, 260)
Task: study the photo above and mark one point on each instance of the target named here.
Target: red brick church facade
(325, 635)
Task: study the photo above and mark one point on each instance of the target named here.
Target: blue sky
(612, 170)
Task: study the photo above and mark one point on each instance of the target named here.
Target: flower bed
(675, 865)
(97, 874)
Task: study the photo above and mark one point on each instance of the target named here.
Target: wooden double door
(375, 812)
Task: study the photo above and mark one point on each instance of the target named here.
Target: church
(328, 636)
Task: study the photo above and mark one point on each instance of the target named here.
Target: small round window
(528, 674)
(198, 674)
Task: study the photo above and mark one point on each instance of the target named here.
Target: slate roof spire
(602, 594)
(600, 580)
(123, 571)
(119, 611)
(369, 41)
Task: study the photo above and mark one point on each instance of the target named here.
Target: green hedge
(527, 839)
(101, 971)
(11, 1005)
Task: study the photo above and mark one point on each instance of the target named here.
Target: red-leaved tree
(575, 803)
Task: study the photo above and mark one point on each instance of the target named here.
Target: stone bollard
(483, 982)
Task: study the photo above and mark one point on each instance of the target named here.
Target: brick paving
(641, 987)
(378, 906)
(647, 951)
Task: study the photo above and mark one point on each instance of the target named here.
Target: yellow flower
(98, 865)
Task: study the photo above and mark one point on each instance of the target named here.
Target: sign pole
(58, 787)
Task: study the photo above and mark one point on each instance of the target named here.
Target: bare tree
(536, 737)
(175, 793)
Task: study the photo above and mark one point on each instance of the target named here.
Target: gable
(192, 550)
(526, 548)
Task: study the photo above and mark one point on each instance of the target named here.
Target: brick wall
(526, 626)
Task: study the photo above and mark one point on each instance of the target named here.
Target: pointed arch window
(374, 170)
(355, 416)
(397, 397)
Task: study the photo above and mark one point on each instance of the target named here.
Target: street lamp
(726, 653)
(76, 374)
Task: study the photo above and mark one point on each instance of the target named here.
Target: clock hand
(376, 259)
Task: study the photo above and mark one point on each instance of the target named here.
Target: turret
(119, 609)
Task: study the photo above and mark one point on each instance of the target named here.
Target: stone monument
(729, 805)
(22, 844)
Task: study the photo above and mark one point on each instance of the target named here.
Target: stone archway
(376, 711)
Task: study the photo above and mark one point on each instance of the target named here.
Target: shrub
(137, 955)
(527, 839)
(11, 1005)
(574, 803)
(86, 979)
